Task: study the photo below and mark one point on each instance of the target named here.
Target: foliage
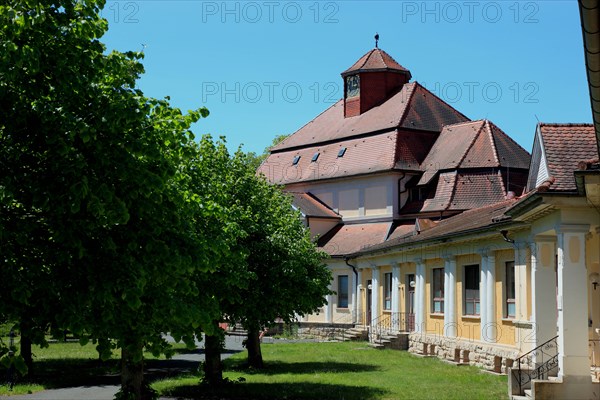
(254, 160)
(99, 231)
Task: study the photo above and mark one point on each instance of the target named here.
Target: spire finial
(376, 40)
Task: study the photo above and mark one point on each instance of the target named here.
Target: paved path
(233, 344)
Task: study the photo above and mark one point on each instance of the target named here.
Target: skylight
(341, 152)
(296, 159)
(315, 157)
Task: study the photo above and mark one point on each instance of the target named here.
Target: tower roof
(376, 60)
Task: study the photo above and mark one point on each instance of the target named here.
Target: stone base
(492, 357)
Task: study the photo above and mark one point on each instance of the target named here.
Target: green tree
(287, 276)
(95, 191)
(254, 160)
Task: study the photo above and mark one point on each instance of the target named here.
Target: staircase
(540, 363)
(389, 331)
(352, 334)
(395, 341)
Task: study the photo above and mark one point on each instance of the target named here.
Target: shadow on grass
(201, 351)
(72, 372)
(290, 391)
(279, 367)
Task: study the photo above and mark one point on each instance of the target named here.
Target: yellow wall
(376, 200)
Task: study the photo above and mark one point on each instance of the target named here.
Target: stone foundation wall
(492, 357)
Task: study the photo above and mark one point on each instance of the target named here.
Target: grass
(346, 371)
(66, 365)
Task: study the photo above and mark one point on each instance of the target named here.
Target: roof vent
(296, 159)
(315, 157)
(341, 152)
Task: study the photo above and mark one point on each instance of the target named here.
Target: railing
(338, 328)
(539, 363)
(388, 323)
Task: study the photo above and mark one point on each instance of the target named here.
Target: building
(444, 235)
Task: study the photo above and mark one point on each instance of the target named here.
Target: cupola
(373, 79)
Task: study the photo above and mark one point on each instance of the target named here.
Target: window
(471, 291)
(387, 291)
(438, 290)
(342, 292)
(315, 157)
(510, 290)
(296, 159)
(342, 152)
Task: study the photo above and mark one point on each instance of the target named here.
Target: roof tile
(346, 239)
(565, 145)
(310, 206)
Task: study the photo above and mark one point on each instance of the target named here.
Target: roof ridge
(416, 83)
(508, 136)
(586, 124)
(411, 94)
(488, 127)
(471, 144)
(306, 124)
(453, 187)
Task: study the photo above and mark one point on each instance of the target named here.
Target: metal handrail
(541, 367)
(387, 323)
(348, 319)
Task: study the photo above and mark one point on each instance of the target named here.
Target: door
(410, 302)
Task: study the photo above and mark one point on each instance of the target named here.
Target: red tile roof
(565, 145)
(310, 206)
(346, 239)
(362, 156)
(476, 144)
(376, 60)
(412, 107)
(464, 223)
(458, 191)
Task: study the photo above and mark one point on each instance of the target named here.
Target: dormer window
(315, 157)
(341, 152)
(296, 159)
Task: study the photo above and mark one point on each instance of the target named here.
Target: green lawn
(347, 371)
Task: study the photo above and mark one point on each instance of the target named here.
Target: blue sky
(265, 68)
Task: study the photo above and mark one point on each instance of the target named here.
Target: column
(354, 297)
(573, 361)
(375, 292)
(420, 310)
(450, 323)
(543, 289)
(490, 328)
(483, 298)
(395, 296)
(360, 319)
(328, 307)
(521, 313)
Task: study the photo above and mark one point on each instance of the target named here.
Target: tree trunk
(26, 353)
(255, 359)
(213, 368)
(132, 375)
(25, 346)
